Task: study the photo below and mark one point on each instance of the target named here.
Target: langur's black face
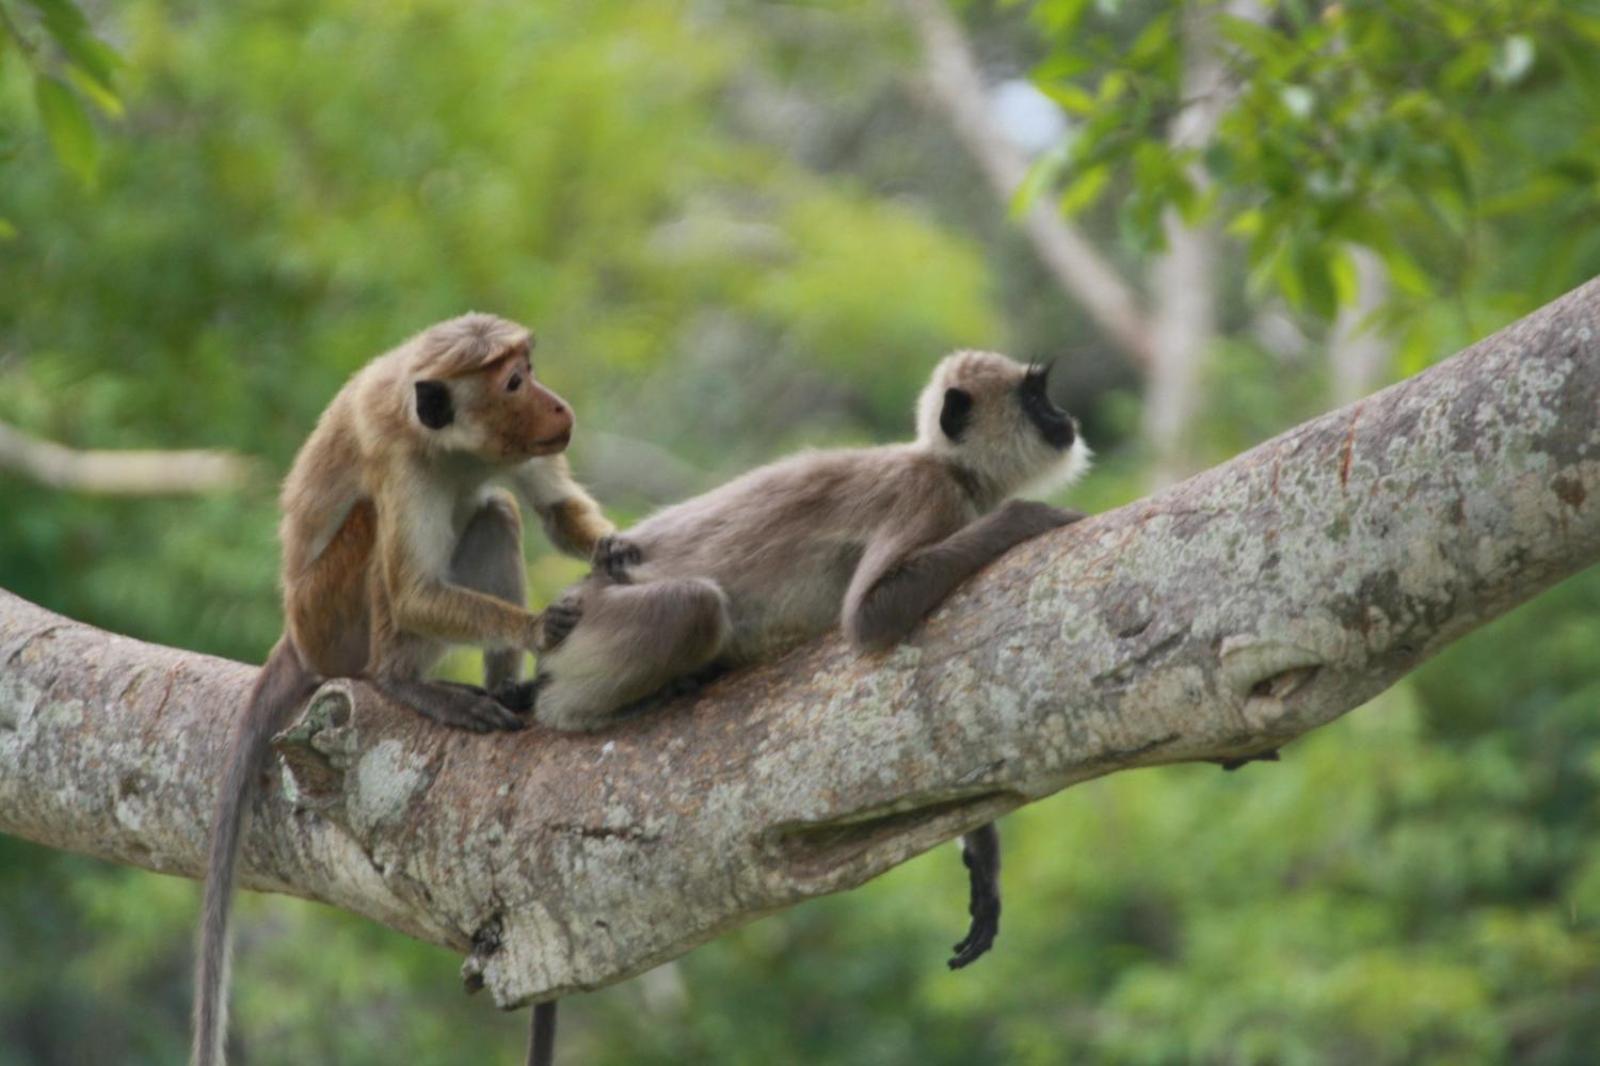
(1058, 428)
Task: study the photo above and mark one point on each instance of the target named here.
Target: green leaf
(1253, 37)
(1316, 278)
(1084, 189)
(107, 101)
(71, 133)
(7, 230)
(1041, 175)
(1073, 98)
(1407, 276)
(1346, 282)
(71, 31)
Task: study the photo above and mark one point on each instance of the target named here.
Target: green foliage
(71, 67)
(1387, 125)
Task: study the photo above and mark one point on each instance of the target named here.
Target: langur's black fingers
(984, 927)
(980, 938)
(560, 619)
(613, 554)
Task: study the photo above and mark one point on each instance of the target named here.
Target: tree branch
(1224, 616)
(119, 473)
(1082, 272)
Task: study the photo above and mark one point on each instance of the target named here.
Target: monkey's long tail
(281, 686)
(542, 1035)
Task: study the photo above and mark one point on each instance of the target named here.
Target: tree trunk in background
(1183, 279)
(1085, 276)
(1223, 617)
(1359, 352)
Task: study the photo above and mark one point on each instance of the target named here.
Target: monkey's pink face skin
(521, 419)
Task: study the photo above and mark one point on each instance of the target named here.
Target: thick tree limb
(120, 473)
(1225, 616)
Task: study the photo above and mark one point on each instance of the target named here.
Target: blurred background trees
(740, 226)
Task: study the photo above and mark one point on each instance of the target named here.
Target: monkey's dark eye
(515, 383)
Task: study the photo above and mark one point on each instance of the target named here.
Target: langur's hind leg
(630, 642)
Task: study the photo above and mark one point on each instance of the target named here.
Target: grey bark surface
(1224, 616)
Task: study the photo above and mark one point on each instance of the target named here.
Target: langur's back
(781, 540)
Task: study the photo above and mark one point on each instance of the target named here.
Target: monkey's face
(995, 417)
(499, 413)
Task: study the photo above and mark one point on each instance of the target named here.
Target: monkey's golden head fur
(471, 389)
(994, 417)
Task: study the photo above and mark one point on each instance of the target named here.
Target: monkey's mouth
(853, 847)
(552, 445)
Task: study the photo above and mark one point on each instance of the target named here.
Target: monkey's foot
(454, 705)
(520, 696)
(613, 554)
(691, 684)
(1270, 755)
(980, 853)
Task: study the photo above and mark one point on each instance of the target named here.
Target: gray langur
(871, 539)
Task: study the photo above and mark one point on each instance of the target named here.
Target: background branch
(119, 472)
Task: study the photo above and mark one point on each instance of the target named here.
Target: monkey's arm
(414, 552)
(902, 576)
(571, 518)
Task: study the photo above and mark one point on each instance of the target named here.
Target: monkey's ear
(957, 412)
(435, 409)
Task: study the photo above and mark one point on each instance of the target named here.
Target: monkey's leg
(630, 642)
(980, 852)
(488, 558)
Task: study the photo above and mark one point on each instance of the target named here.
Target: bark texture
(1224, 616)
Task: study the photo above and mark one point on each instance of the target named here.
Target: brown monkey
(872, 538)
(394, 547)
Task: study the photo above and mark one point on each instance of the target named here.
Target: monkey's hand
(559, 620)
(980, 852)
(613, 554)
